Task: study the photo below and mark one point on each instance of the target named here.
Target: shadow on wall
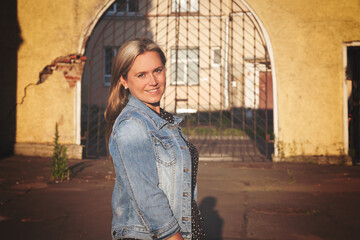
(213, 223)
(10, 41)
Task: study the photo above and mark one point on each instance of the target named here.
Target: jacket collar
(158, 121)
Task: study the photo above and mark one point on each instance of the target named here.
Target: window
(216, 56)
(123, 6)
(184, 5)
(109, 53)
(185, 67)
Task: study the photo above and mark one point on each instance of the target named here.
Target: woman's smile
(153, 91)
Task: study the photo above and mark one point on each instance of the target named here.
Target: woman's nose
(152, 80)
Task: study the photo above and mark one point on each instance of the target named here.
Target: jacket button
(186, 194)
(185, 219)
(186, 170)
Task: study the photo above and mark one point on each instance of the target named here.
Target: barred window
(123, 6)
(109, 53)
(184, 5)
(185, 67)
(215, 56)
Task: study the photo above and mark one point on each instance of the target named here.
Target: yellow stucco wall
(307, 38)
(49, 29)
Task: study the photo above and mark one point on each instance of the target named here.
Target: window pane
(121, 5)
(133, 5)
(187, 71)
(107, 80)
(217, 56)
(109, 53)
(193, 73)
(173, 55)
(174, 6)
(182, 54)
(183, 6)
(179, 4)
(180, 73)
(193, 54)
(173, 74)
(177, 73)
(194, 5)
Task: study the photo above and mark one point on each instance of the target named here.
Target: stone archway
(243, 68)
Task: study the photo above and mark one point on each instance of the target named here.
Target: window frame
(189, 5)
(213, 63)
(113, 9)
(185, 61)
(108, 76)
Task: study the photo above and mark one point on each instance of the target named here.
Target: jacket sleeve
(136, 166)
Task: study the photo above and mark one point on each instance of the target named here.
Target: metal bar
(222, 83)
(255, 133)
(243, 73)
(198, 86)
(145, 19)
(88, 111)
(99, 105)
(167, 46)
(157, 21)
(209, 63)
(187, 64)
(232, 76)
(266, 107)
(226, 64)
(177, 31)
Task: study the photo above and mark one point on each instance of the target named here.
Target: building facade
(299, 50)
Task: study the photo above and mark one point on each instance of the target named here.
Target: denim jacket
(152, 191)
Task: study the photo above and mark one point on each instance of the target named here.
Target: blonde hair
(123, 61)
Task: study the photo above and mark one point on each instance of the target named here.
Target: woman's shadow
(213, 223)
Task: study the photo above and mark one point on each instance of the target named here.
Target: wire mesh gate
(218, 73)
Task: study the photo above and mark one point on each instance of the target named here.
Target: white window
(184, 5)
(185, 67)
(120, 7)
(215, 57)
(109, 53)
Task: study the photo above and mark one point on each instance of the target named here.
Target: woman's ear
(123, 82)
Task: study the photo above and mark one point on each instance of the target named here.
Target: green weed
(59, 171)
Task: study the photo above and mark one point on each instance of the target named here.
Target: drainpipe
(226, 64)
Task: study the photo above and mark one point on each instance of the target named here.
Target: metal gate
(218, 73)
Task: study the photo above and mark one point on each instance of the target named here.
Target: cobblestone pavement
(238, 200)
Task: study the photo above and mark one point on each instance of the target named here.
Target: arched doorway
(218, 71)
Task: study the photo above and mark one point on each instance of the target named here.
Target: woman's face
(146, 79)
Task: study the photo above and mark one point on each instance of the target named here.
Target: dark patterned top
(197, 220)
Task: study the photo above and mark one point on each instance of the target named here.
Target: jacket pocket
(164, 150)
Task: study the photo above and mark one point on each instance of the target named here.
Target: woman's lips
(152, 90)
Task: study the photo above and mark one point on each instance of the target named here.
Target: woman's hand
(177, 236)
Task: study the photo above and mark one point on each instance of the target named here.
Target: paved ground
(238, 200)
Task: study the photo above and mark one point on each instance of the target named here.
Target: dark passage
(353, 74)
(10, 41)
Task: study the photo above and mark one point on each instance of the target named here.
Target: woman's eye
(158, 70)
(141, 75)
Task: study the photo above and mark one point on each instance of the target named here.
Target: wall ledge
(74, 151)
(320, 159)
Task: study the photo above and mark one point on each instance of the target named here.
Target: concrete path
(238, 200)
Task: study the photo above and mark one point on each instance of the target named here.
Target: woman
(155, 189)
